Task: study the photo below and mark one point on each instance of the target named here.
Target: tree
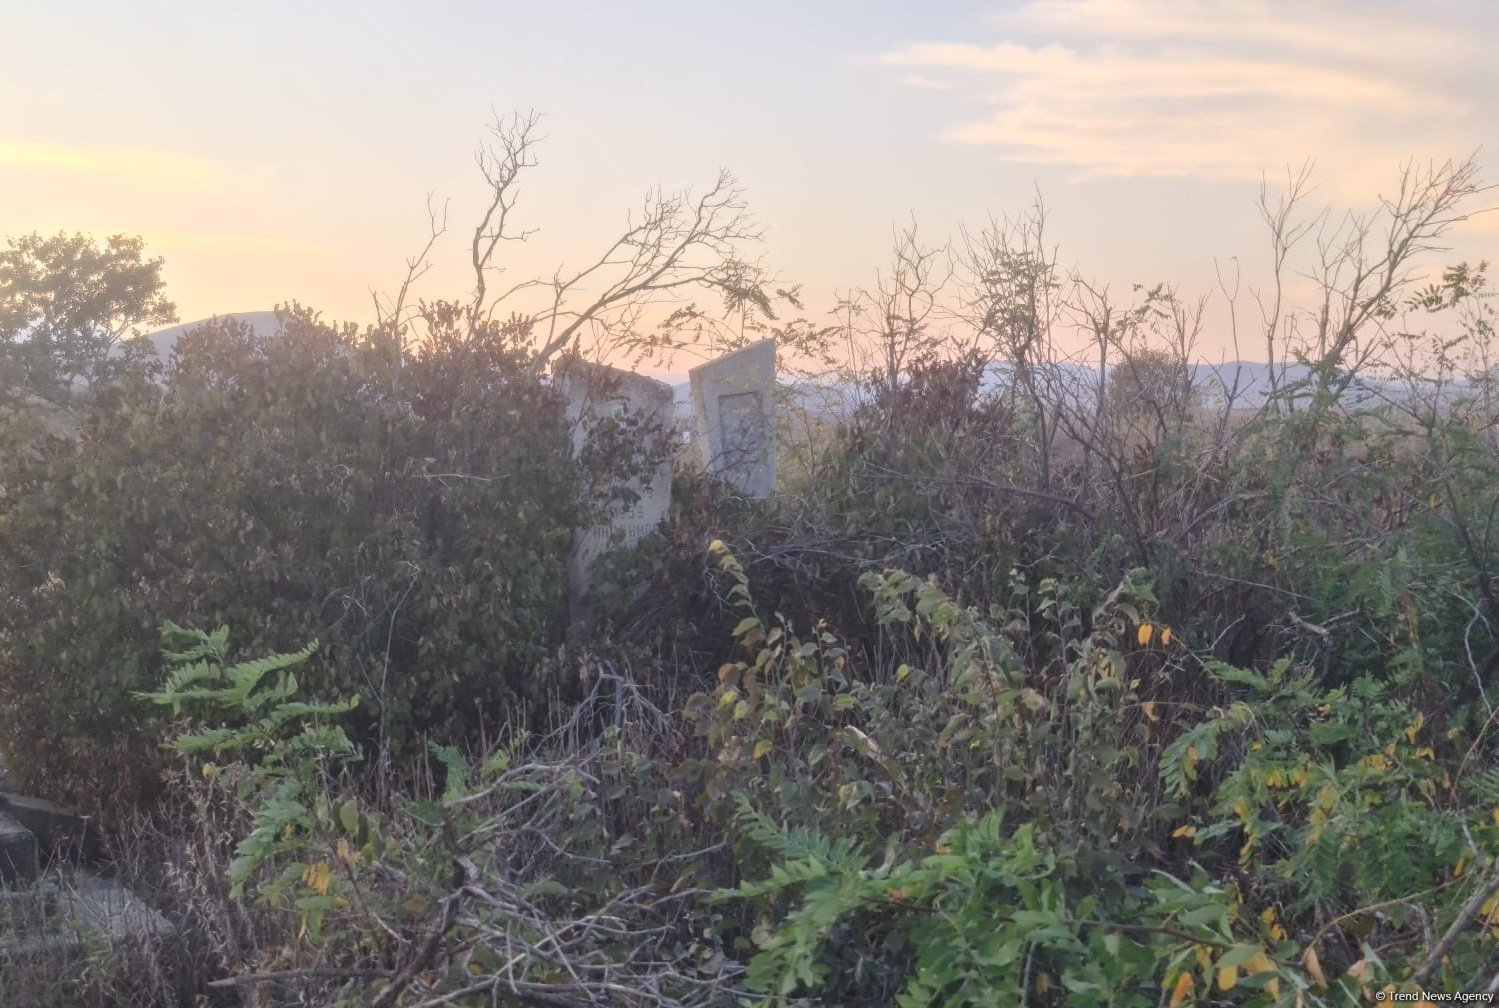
(676, 244)
(1010, 302)
(1149, 389)
(1364, 265)
(71, 311)
(274, 483)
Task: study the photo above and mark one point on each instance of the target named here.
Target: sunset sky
(276, 151)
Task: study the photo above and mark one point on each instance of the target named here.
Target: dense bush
(979, 820)
(1000, 807)
(541, 870)
(291, 487)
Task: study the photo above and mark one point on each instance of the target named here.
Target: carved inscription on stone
(733, 400)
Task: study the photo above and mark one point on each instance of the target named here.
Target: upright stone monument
(597, 394)
(733, 404)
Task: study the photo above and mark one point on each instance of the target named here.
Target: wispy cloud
(130, 163)
(1158, 88)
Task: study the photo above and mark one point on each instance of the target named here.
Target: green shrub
(1356, 818)
(1010, 813)
(525, 873)
(287, 487)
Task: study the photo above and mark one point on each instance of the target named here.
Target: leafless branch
(501, 164)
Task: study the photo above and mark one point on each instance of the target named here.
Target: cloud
(129, 163)
(1132, 88)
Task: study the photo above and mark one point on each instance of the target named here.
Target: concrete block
(55, 826)
(734, 412)
(18, 857)
(597, 394)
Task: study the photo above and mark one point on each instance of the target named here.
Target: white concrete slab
(634, 508)
(734, 412)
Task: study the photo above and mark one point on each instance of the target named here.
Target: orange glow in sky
(286, 153)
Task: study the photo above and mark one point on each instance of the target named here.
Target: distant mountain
(1248, 383)
(264, 323)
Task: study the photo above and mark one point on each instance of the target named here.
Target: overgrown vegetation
(1042, 681)
(283, 486)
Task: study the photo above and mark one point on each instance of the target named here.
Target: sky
(273, 151)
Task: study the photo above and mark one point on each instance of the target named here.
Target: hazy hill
(264, 323)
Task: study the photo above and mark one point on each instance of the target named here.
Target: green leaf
(428, 813)
(1238, 956)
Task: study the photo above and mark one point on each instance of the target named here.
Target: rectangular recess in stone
(733, 405)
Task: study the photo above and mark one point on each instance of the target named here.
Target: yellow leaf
(1313, 966)
(1277, 933)
(1204, 957)
(1184, 831)
(717, 547)
(1191, 755)
(1181, 990)
(1259, 963)
(1144, 634)
(318, 878)
(1228, 978)
(346, 851)
(1165, 636)
(1149, 708)
(762, 747)
(1410, 733)
(1272, 987)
